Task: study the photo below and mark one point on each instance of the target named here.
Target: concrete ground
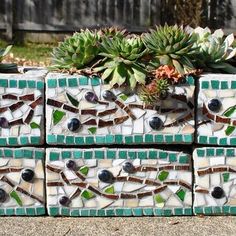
(46, 226)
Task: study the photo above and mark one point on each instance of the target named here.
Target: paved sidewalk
(46, 226)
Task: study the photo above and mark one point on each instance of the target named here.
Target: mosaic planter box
(21, 108)
(22, 181)
(118, 182)
(216, 117)
(215, 181)
(102, 117)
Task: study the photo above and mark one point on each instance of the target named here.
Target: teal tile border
(212, 140)
(21, 84)
(212, 152)
(208, 83)
(215, 210)
(21, 141)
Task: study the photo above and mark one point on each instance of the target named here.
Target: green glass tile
(198, 210)
(213, 140)
(178, 138)
(127, 212)
(153, 154)
(226, 176)
(75, 213)
(226, 209)
(51, 139)
(40, 85)
(100, 139)
(223, 141)
(169, 139)
(70, 140)
(12, 141)
(142, 155)
(3, 83)
(31, 83)
(20, 211)
(10, 211)
(217, 210)
(72, 82)
(230, 152)
(233, 84)
(2, 212)
(163, 175)
(86, 194)
(233, 210)
(35, 140)
(181, 194)
(210, 152)
(3, 142)
(110, 212)
(39, 155)
(60, 139)
(184, 159)
(172, 157)
(78, 154)
(188, 211)
(205, 85)
(54, 156)
(208, 210)
(95, 81)
(215, 84)
(128, 139)
(224, 85)
(83, 80)
(163, 155)
(200, 152)
(159, 138)
(53, 211)
(88, 155)
(167, 212)
(148, 138)
(110, 189)
(8, 152)
(122, 154)
(188, 138)
(89, 140)
(84, 212)
(147, 211)
(19, 153)
(57, 116)
(22, 84)
(99, 154)
(40, 211)
(111, 154)
(27, 153)
(233, 141)
(110, 138)
(159, 199)
(65, 154)
(101, 212)
(138, 139)
(219, 151)
(84, 170)
(24, 140)
(178, 211)
(13, 83)
(119, 211)
(79, 140)
(92, 212)
(30, 211)
(62, 82)
(118, 139)
(65, 211)
(202, 139)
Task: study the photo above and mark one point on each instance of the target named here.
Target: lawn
(29, 54)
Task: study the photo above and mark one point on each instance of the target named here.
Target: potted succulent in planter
(127, 89)
(21, 105)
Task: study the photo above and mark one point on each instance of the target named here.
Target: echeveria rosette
(122, 61)
(215, 52)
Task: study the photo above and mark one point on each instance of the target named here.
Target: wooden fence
(135, 15)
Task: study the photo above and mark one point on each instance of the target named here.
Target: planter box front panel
(21, 109)
(118, 182)
(215, 181)
(22, 181)
(217, 110)
(123, 121)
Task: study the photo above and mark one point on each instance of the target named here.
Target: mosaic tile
(81, 110)
(215, 181)
(22, 181)
(22, 108)
(115, 182)
(216, 123)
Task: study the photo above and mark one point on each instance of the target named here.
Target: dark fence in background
(135, 15)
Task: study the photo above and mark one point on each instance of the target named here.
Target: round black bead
(217, 193)
(3, 195)
(155, 123)
(91, 97)
(70, 164)
(64, 201)
(74, 124)
(214, 105)
(128, 167)
(4, 124)
(27, 175)
(109, 95)
(105, 176)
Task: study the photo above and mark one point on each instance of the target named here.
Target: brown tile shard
(127, 196)
(53, 169)
(90, 122)
(110, 196)
(135, 179)
(75, 194)
(16, 122)
(54, 103)
(64, 178)
(54, 184)
(16, 106)
(103, 123)
(28, 97)
(70, 109)
(144, 194)
(92, 112)
(3, 109)
(29, 116)
(159, 189)
(120, 120)
(107, 112)
(9, 96)
(38, 101)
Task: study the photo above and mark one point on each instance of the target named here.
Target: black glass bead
(64, 201)
(70, 164)
(217, 193)
(3, 195)
(128, 167)
(4, 124)
(214, 105)
(105, 176)
(74, 124)
(91, 97)
(109, 95)
(155, 123)
(27, 175)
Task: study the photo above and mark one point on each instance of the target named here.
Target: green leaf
(92, 130)
(178, 67)
(163, 175)
(110, 189)
(57, 116)
(34, 125)
(123, 97)
(107, 73)
(73, 101)
(165, 60)
(87, 194)
(84, 170)
(13, 194)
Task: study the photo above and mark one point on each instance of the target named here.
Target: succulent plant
(172, 45)
(7, 67)
(112, 32)
(214, 50)
(121, 62)
(76, 51)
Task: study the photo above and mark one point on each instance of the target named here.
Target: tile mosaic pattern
(118, 182)
(123, 120)
(22, 181)
(215, 181)
(21, 109)
(216, 117)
